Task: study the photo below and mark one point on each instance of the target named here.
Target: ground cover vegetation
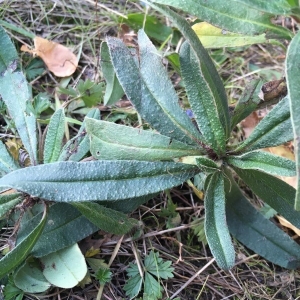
(164, 183)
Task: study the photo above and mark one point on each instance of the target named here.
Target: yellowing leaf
(287, 224)
(58, 58)
(214, 37)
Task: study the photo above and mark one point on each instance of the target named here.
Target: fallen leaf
(58, 58)
(287, 224)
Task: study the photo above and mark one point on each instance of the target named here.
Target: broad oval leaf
(216, 228)
(77, 147)
(65, 226)
(105, 218)
(113, 141)
(265, 162)
(65, 268)
(275, 192)
(54, 137)
(202, 100)
(114, 90)
(29, 277)
(292, 79)
(273, 130)
(256, 232)
(98, 180)
(229, 15)
(151, 92)
(17, 255)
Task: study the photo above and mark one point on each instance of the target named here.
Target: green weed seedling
(74, 198)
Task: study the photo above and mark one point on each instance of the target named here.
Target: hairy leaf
(13, 258)
(273, 130)
(150, 90)
(98, 180)
(7, 163)
(54, 137)
(275, 192)
(230, 15)
(292, 78)
(8, 202)
(256, 232)
(113, 141)
(264, 161)
(216, 228)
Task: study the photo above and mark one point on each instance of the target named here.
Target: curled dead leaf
(58, 58)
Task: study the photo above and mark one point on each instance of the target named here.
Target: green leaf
(17, 255)
(29, 277)
(216, 228)
(256, 232)
(103, 275)
(113, 141)
(54, 137)
(152, 287)
(11, 292)
(65, 226)
(114, 91)
(206, 164)
(264, 161)
(35, 68)
(98, 180)
(39, 104)
(65, 268)
(278, 7)
(247, 102)
(15, 92)
(275, 192)
(150, 90)
(214, 37)
(8, 202)
(208, 69)
(152, 26)
(202, 100)
(7, 163)
(90, 92)
(106, 219)
(157, 266)
(134, 284)
(8, 53)
(231, 16)
(77, 147)
(292, 79)
(273, 130)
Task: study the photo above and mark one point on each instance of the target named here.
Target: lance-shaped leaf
(105, 218)
(273, 130)
(15, 92)
(13, 258)
(292, 78)
(54, 137)
(65, 226)
(77, 147)
(264, 161)
(7, 163)
(275, 192)
(114, 90)
(278, 7)
(256, 232)
(8, 202)
(216, 228)
(247, 103)
(230, 15)
(98, 180)
(206, 164)
(207, 68)
(150, 90)
(202, 101)
(113, 141)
